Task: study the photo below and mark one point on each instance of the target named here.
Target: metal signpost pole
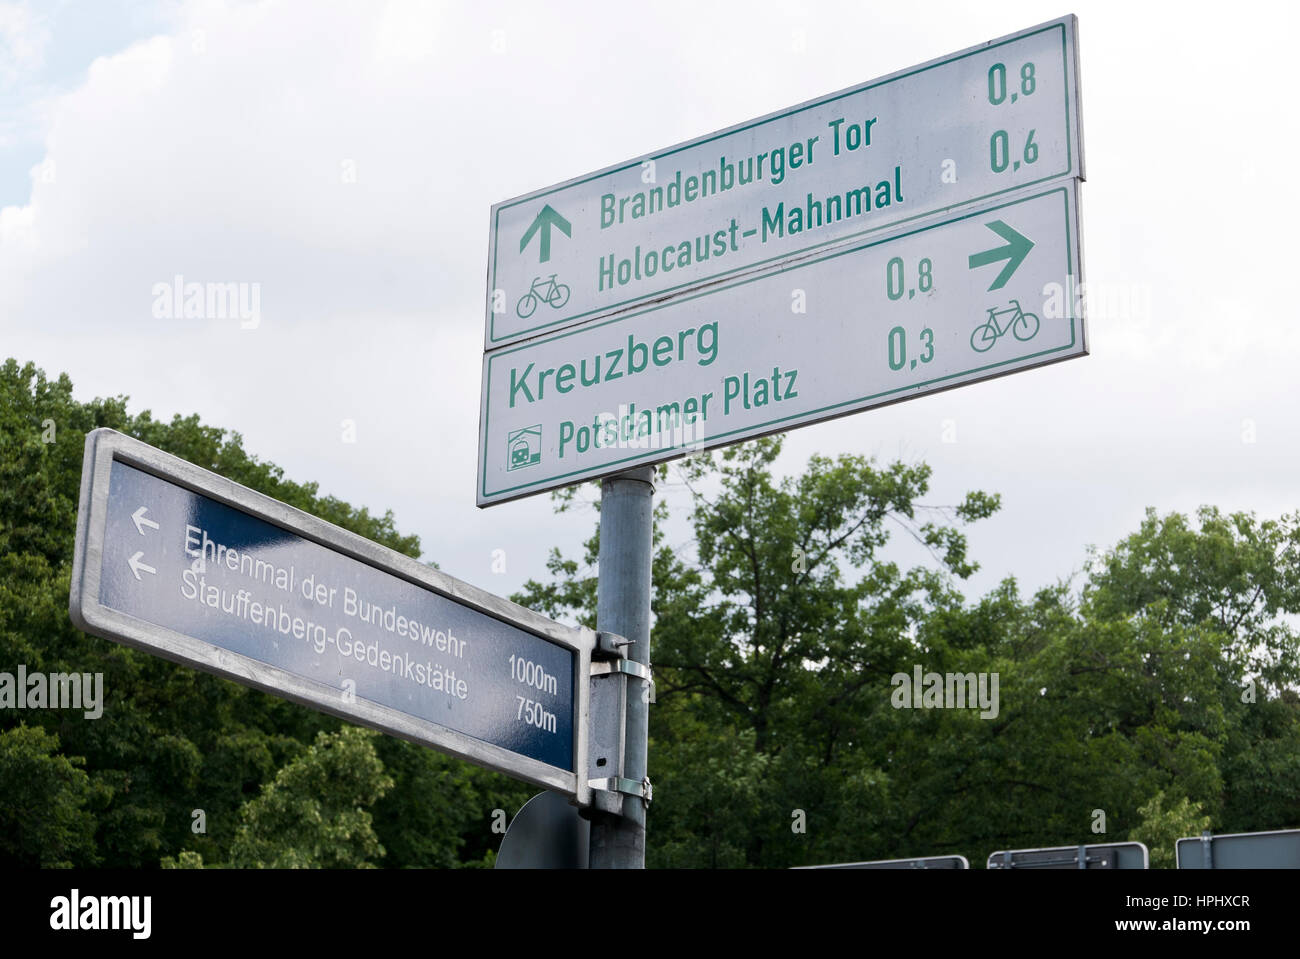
(623, 608)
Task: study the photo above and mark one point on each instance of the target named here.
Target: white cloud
(23, 38)
(344, 157)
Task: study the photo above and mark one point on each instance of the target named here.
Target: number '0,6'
(895, 284)
(1000, 151)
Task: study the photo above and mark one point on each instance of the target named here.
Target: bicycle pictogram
(549, 291)
(1022, 325)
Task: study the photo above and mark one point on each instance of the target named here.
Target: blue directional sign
(175, 560)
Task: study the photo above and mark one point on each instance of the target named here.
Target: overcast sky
(344, 156)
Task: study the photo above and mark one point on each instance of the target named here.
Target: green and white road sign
(955, 299)
(963, 129)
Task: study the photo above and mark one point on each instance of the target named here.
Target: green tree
(1161, 828)
(1093, 715)
(173, 739)
(315, 814)
(441, 816)
(778, 628)
(1236, 579)
(1233, 574)
(773, 645)
(43, 817)
(1144, 685)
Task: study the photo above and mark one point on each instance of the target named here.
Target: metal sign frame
(999, 859)
(1074, 168)
(104, 446)
(1198, 842)
(718, 297)
(917, 862)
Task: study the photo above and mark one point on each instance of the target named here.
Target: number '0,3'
(898, 348)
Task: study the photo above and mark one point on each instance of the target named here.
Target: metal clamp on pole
(614, 666)
(610, 646)
(627, 787)
(627, 666)
(609, 660)
(609, 657)
(609, 710)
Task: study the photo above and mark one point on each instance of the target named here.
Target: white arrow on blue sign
(179, 562)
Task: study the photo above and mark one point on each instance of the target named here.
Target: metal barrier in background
(1277, 849)
(1110, 855)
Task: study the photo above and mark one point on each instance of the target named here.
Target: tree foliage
(1161, 827)
(121, 790)
(43, 820)
(315, 813)
(1170, 672)
(1160, 692)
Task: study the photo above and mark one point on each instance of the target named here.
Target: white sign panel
(963, 129)
(957, 299)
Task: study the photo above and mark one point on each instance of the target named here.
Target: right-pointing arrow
(137, 566)
(141, 522)
(1017, 248)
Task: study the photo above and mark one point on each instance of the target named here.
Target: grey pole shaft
(623, 607)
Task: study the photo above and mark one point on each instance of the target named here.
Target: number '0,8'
(998, 82)
(896, 285)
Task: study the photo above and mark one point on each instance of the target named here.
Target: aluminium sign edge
(1068, 187)
(1074, 126)
(104, 446)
